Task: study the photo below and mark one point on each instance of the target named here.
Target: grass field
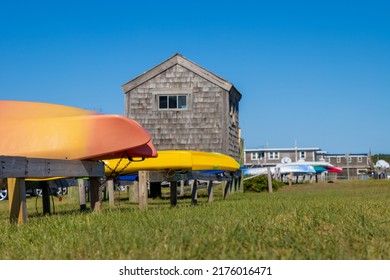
(343, 221)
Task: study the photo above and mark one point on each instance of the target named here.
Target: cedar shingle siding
(210, 121)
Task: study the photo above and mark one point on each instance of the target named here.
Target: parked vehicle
(57, 187)
(3, 189)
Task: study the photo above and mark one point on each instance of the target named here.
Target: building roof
(178, 59)
(281, 149)
(349, 154)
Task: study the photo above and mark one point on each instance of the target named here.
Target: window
(257, 155)
(254, 156)
(338, 159)
(172, 102)
(302, 155)
(273, 155)
(360, 159)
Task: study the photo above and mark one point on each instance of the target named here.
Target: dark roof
(178, 59)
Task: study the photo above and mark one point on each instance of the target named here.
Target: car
(58, 187)
(3, 189)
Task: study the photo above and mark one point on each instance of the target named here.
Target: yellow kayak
(173, 160)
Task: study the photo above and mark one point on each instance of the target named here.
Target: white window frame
(273, 155)
(302, 153)
(254, 155)
(172, 92)
(170, 97)
(338, 159)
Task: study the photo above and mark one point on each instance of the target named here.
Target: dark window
(172, 102)
(182, 101)
(163, 102)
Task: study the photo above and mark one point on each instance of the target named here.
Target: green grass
(344, 220)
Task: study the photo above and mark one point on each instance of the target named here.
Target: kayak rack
(19, 169)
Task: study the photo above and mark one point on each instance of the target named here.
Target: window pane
(163, 102)
(182, 102)
(172, 102)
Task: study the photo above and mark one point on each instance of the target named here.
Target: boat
(44, 130)
(173, 160)
(300, 167)
(318, 166)
(281, 169)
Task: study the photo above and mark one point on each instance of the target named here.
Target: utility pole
(296, 151)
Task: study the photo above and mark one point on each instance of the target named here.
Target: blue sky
(315, 73)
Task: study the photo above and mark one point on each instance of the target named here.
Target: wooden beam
(134, 192)
(17, 200)
(290, 177)
(82, 194)
(12, 167)
(44, 185)
(226, 188)
(173, 193)
(22, 167)
(194, 192)
(233, 185)
(143, 189)
(236, 184)
(111, 193)
(17, 169)
(95, 194)
(269, 180)
(241, 177)
(210, 191)
(155, 189)
(181, 188)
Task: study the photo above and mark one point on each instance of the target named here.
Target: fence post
(111, 193)
(143, 189)
(269, 180)
(17, 200)
(181, 188)
(194, 192)
(210, 191)
(173, 193)
(82, 194)
(225, 188)
(44, 185)
(134, 192)
(96, 194)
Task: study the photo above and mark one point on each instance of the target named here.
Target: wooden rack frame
(18, 169)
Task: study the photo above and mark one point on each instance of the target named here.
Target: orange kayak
(43, 130)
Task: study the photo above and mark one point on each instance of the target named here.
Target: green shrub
(260, 184)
